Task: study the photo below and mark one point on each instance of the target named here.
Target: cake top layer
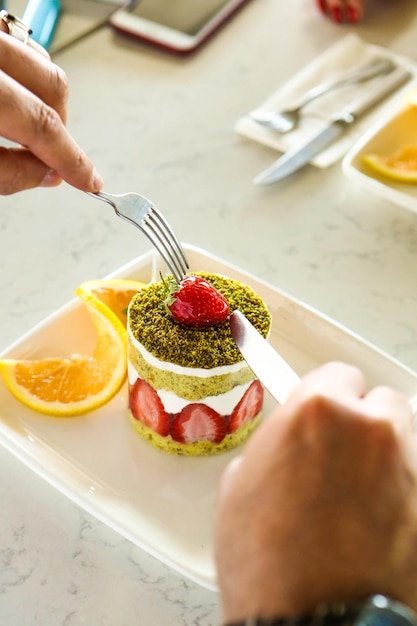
(212, 346)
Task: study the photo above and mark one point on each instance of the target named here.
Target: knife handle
(374, 96)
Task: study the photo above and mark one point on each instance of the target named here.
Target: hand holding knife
(296, 158)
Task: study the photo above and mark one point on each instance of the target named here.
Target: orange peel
(71, 386)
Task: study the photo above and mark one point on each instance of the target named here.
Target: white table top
(164, 126)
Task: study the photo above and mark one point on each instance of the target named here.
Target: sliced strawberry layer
(248, 407)
(146, 406)
(198, 422)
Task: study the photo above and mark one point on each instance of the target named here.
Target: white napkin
(347, 54)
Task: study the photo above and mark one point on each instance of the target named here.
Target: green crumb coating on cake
(191, 388)
(208, 347)
(196, 448)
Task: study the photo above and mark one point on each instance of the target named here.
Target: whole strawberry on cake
(190, 391)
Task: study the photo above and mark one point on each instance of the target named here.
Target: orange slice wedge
(400, 166)
(65, 387)
(115, 293)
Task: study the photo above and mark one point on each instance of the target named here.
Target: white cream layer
(223, 403)
(185, 371)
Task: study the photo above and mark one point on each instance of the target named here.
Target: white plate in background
(162, 503)
(398, 128)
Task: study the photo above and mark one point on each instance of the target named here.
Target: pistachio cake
(190, 391)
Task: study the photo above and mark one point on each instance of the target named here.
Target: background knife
(271, 369)
(294, 159)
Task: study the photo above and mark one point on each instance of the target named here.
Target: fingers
(30, 44)
(28, 121)
(4, 28)
(335, 380)
(386, 403)
(20, 169)
(35, 71)
(342, 10)
(345, 385)
(33, 100)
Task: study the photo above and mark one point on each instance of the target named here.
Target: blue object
(42, 16)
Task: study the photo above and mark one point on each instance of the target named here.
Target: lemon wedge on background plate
(74, 385)
(400, 166)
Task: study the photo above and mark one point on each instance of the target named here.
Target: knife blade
(296, 158)
(271, 369)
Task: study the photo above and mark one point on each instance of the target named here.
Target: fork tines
(141, 212)
(160, 233)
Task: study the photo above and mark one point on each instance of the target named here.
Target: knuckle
(48, 121)
(58, 83)
(321, 417)
(315, 409)
(314, 415)
(81, 162)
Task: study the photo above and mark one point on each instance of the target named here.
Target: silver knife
(271, 369)
(294, 159)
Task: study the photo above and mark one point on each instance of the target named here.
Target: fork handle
(101, 195)
(366, 72)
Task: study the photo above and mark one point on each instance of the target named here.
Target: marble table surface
(164, 126)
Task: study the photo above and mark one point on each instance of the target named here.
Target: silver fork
(143, 214)
(286, 120)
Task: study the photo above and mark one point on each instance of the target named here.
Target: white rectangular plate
(162, 503)
(396, 129)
